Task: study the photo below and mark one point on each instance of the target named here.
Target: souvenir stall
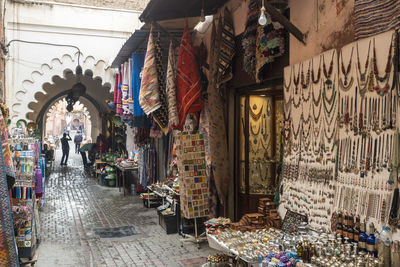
(27, 193)
(110, 152)
(339, 183)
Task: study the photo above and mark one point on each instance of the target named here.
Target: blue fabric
(137, 66)
(140, 119)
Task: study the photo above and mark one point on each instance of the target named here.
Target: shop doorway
(259, 122)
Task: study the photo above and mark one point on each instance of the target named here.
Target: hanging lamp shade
(78, 89)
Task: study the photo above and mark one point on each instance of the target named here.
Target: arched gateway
(51, 83)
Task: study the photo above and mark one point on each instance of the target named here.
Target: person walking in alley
(78, 140)
(65, 148)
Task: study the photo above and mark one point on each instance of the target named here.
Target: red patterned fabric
(118, 103)
(117, 79)
(188, 80)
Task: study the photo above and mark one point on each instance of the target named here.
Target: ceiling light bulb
(263, 19)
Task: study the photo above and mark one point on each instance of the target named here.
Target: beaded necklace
(330, 101)
(255, 133)
(306, 134)
(316, 131)
(328, 73)
(305, 100)
(296, 133)
(315, 81)
(287, 87)
(296, 81)
(255, 116)
(296, 105)
(316, 118)
(345, 71)
(305, 83)
(316, 101)
(363, 74)
(382, 79)
(329, 123)
(329, 137)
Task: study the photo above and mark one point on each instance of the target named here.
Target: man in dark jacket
(65, 148)
(78, 140)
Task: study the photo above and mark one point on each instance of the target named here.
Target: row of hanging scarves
(182, 86)
(142, 90)
(123, 91)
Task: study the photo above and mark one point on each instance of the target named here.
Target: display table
(217, 245)
(123, 170)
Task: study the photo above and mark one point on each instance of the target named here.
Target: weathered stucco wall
(326, 23)
(98, 32)
(120, 4)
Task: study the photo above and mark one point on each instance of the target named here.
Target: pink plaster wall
(326, 23)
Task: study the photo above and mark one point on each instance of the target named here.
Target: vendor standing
(65, 148)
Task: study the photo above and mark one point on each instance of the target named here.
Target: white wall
(98, 32)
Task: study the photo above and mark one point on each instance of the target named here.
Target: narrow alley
(199, 133)
(75, 205)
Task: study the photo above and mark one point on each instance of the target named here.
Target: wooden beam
(177, 43)
(285, 22)
(161, 28)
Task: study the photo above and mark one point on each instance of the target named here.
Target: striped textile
(171, 88)
(8, 253)
(249, 39)
(149, 97)
(188, 80)
(118, 103)
(161, 115)
(130, 99)
(372, 17)
(227, 48)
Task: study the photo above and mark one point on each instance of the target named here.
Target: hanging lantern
(77, 90)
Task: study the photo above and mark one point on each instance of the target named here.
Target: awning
(158, 10)
(137, 43)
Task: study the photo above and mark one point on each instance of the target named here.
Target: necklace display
(352, 144)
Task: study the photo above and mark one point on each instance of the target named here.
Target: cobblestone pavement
(75, 205)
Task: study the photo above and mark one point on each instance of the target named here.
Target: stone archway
(93, 109)
(52, 81)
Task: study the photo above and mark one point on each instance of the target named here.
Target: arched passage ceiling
(96, 93)
(52, 79)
